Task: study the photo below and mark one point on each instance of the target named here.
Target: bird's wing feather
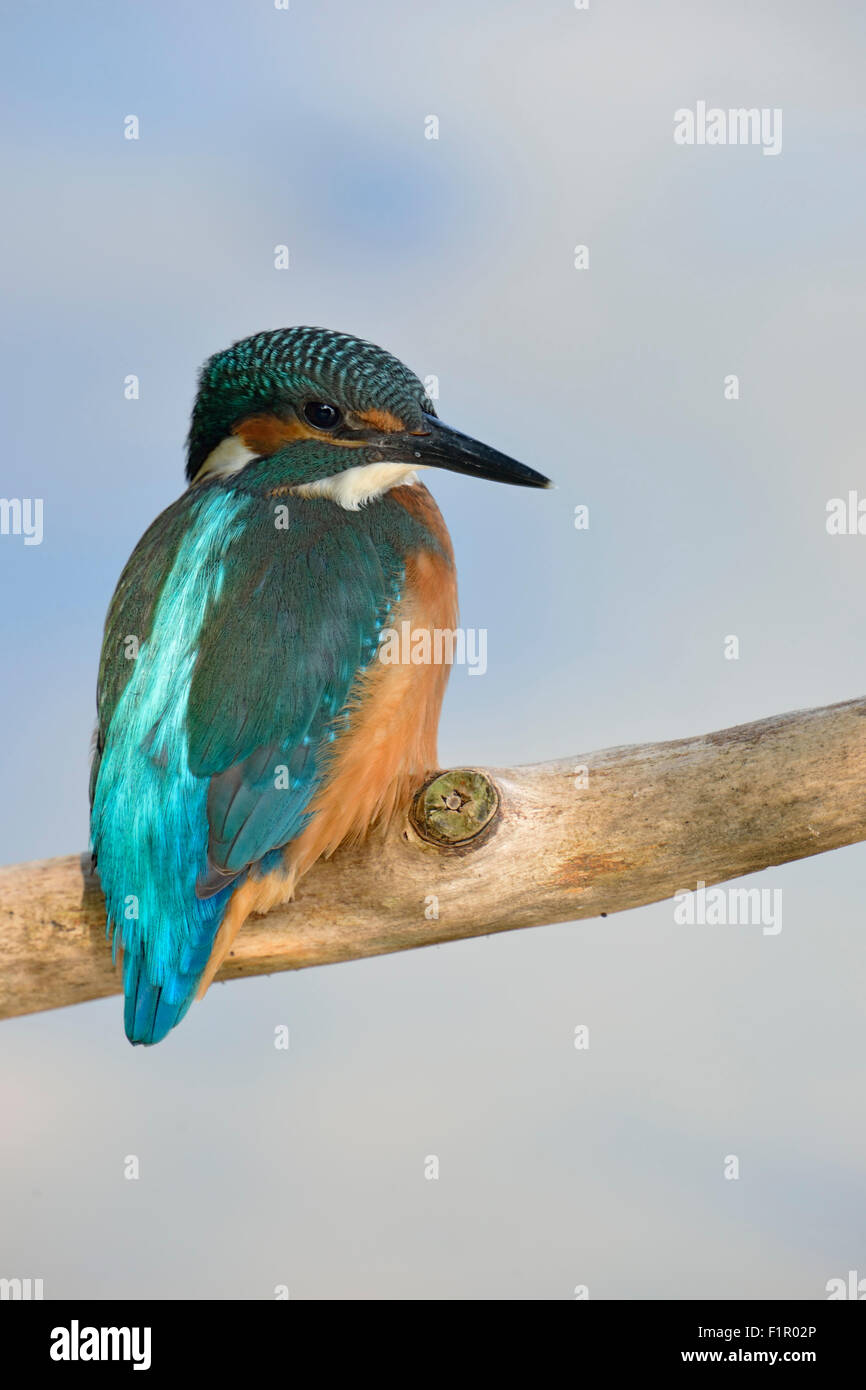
(213, 739)
(130, 616)
(281, 644)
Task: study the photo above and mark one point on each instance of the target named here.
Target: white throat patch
(354, 487)
(230, 456)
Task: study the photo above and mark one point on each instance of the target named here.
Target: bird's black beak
(439, 446)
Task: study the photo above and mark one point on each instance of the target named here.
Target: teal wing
(210, 749)
(279, 651)
(130, 616)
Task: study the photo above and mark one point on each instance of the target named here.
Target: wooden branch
(488, 852)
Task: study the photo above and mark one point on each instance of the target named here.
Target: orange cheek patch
(265, 434)
(381, 420)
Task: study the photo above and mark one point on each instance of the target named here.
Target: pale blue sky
(707, 518)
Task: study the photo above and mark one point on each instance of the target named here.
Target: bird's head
(328, 414)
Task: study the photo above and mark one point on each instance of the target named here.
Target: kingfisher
(245, 727)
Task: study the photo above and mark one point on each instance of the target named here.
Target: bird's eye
(321, 415)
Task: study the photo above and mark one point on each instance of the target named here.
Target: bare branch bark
(652, 820)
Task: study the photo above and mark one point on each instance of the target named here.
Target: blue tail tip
(151, 1011)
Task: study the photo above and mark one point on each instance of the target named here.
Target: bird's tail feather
(152, 1009)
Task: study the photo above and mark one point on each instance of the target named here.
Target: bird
(245, 728)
